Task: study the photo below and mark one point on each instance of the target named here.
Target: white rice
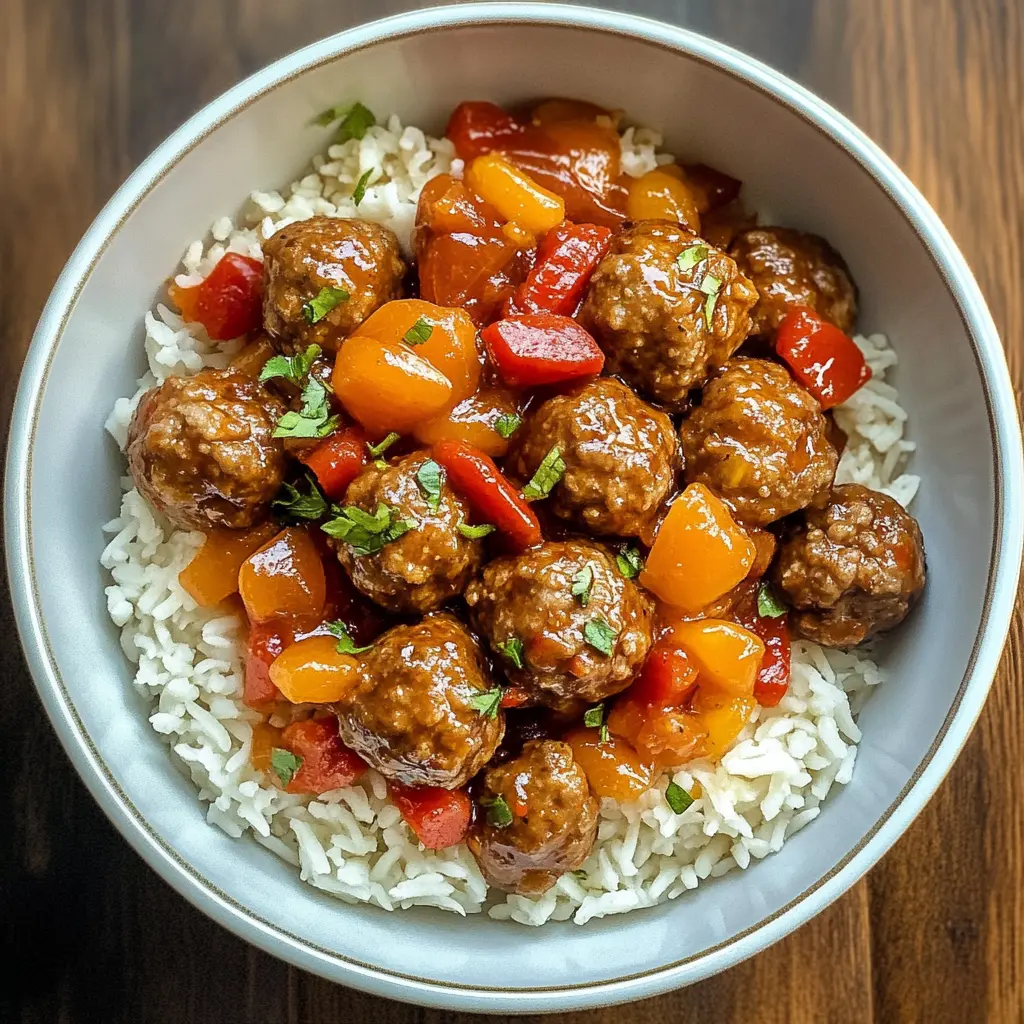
(352, 843)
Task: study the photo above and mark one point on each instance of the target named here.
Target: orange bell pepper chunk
(613, 768)
(663, 195)
(311, 671)
(474, 421)
(264, 738)
(727, 655)
(284, 578)
(212, 575)
(723, 722)
(514, 194)
(700, 552)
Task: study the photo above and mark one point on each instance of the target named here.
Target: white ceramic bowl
(800, 160)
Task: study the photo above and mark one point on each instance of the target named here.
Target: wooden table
(935, 933)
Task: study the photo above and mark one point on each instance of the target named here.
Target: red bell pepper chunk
(266, 641)
(493, 499)
(229, 302)
(772, 680)
(338, 460)
(514, 697)
(821, 357)
(566, 257)
(439, 817)
(477, 127)
(667, 679)
(326, 762)
(541, 348)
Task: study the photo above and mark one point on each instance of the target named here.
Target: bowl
(801, 161)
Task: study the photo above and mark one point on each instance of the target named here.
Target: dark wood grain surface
(936, 931)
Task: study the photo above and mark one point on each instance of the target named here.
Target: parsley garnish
(430, 477)
(364, 533)
(691, 256)
(378, 449)
(360, 190)
(508, 424)
(419, 332)
(513, 649)
(296, 505)
(314, 419)
(380, 464)
(629, 561)
(498, 813)
(581, 584)
(294, 368)
(593, 718)
(475, 532)
(346, 645)
(549, 472)
(354, 120)
(323, 302)
(768, 605)
(600, 635)
(487, 703)
(677, 797)
(284, 764)
(710, 286)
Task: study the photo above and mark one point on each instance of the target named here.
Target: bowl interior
(790, 169)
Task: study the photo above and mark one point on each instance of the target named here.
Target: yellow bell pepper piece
(515, 195)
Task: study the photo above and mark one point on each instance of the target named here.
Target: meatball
(424, 566)
(202, 449)
(360, 257)
(760, 442)
(563, 648)
(645, 306)
(620, 456)
(412, 714)
(851, 569)
(790, 268)
(554, 819)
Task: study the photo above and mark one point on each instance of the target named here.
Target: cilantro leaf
(346, 645)
(378, 449)
(323, 302)
(508, 424)
(710, 286)
(284, 764)
(355, 122)
(296, 505)
(294, 368)
(360, 190)
(691, 256)
(419, 332)
(768, 605)
(314, 419)
(581, 584)
(629, 561)
(498, 813)
(366, 534)
(677, 797)
(487, 703)
(549, 472)
(600, 635)
(475, 532)
(593, 717)
(430, 478)
(513, 649)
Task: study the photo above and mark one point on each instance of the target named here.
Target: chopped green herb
(691, 256)
(710, 286)
(365, 533)
(513, 649)
(360, 190)
(314, 419)
(677, 797)
(346, 645)
(508, 424)
(419, 332)
(498, 813)
(549, 472)
(431, 479)
(593, 718)
(629, 561)
(355, 122)
(284, 764)
(294, 368)
(475, 532)
(581, 584)
(768, 605)
(378, 449)
(291, 503)
(600, 635)
(487, 703)
(380, 464)
(328, 116)
(322, 303)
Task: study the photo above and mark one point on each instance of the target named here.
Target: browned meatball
(563, 648)
(659, 330)
(790, 268)
(201, 449)
(554, 819)
(620, 456)
(760, 442)
(429, 563)
(360, 257)
(412, 716)
(851, 569)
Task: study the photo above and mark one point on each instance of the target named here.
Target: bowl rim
(1004, 564)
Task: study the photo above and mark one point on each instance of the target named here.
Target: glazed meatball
(426, 565)
(851, 569)
(360, 257)
(201, 449)
(412, 716)
(760, 442)
(790, 268)
(620, 456)
(564, 649)
(659, 330)
(554, 819)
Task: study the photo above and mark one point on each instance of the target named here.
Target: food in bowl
(503, 512)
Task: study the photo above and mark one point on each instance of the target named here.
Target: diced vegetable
(514, 697)
(541, 348)
(723, 722)
(477, 127)
(516, 196)
(699, 553)
(727, 655)
(566, 258)
(338, 460)
(492, 498)
(478, 421)
(254, 356)
(773, 676)
(439, 817)
(264, 738)
(821, 357)
(671, 737)
(612, 767)
(228, 302)
(387, 386)
(212, 575)
(266, 641)
(660, 195)
(326, 762)
(283, 578)
(311, 671)
(552, 111)
(667, 678)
